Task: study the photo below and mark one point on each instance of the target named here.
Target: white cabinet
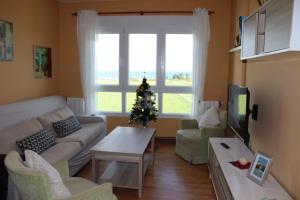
(278, 25)
(231, 183)
(250, 36)
(273, 28)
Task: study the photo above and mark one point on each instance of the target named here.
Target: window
(140, 48)
(178, 74)
(107, 59)
(177, 103)
(179, 59)
(142, 58)
(109, 101)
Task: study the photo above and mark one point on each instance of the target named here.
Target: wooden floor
(170, 179)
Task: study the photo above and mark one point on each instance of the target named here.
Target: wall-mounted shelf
(272, 29)
(235, 49)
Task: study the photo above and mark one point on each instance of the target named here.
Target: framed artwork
(6, 41)
(260, 168)
(42, 62)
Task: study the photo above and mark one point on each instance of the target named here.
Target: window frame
(160, 88)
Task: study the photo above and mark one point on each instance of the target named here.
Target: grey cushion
(62, 151)
(85, 135)
(9, 136)
(57, 115)
(84, 119)
(38, 142)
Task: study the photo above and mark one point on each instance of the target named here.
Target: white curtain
(201, 33)
(86, 37)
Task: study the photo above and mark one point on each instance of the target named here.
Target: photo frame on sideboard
(260, 168)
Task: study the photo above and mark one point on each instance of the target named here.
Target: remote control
(225, 145)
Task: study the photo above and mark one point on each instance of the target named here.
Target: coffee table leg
(152, 149)
(141, 175)
(95, 168)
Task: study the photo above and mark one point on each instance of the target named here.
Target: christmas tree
(143, 110)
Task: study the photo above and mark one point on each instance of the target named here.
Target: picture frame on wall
(6, 41)
(260, 168)
(42, 62)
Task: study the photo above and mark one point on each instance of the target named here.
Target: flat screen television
(238, 111)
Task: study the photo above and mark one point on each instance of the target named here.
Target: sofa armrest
(84, 119)
(62, 167)
(99, 192)
(189, 124)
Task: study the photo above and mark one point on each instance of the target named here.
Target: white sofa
(15, 117)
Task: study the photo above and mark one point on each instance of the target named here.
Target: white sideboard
(232, 183)
(273, 28)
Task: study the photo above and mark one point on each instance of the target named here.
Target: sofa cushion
(85, 135)
(66, 127)
(38, 142)
(57, 115)
(10, 135)
(62, 151)
(65, 112)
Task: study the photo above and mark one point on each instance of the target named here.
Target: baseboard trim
(165, 139)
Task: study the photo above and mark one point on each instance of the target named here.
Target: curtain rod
(146, 12)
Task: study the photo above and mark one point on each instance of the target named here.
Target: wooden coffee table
(127, 148)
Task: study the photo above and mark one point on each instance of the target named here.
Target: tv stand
(232, 183)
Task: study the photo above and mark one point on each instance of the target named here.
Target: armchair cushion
(78, 185)
(36, 162)
(82, 189)
(189, 135)
(62, 167)
(210, 118)
(189, 124)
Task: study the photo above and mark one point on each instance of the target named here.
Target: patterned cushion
(67, 126)
(38, 142)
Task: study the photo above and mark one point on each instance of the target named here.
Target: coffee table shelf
(131, 151)
(124, 174)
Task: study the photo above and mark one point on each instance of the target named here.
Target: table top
(125, 141)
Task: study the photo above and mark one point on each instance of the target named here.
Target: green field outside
(130, 100)
(177, 103)
(172, 103)
(109, 101)
(169, 82)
